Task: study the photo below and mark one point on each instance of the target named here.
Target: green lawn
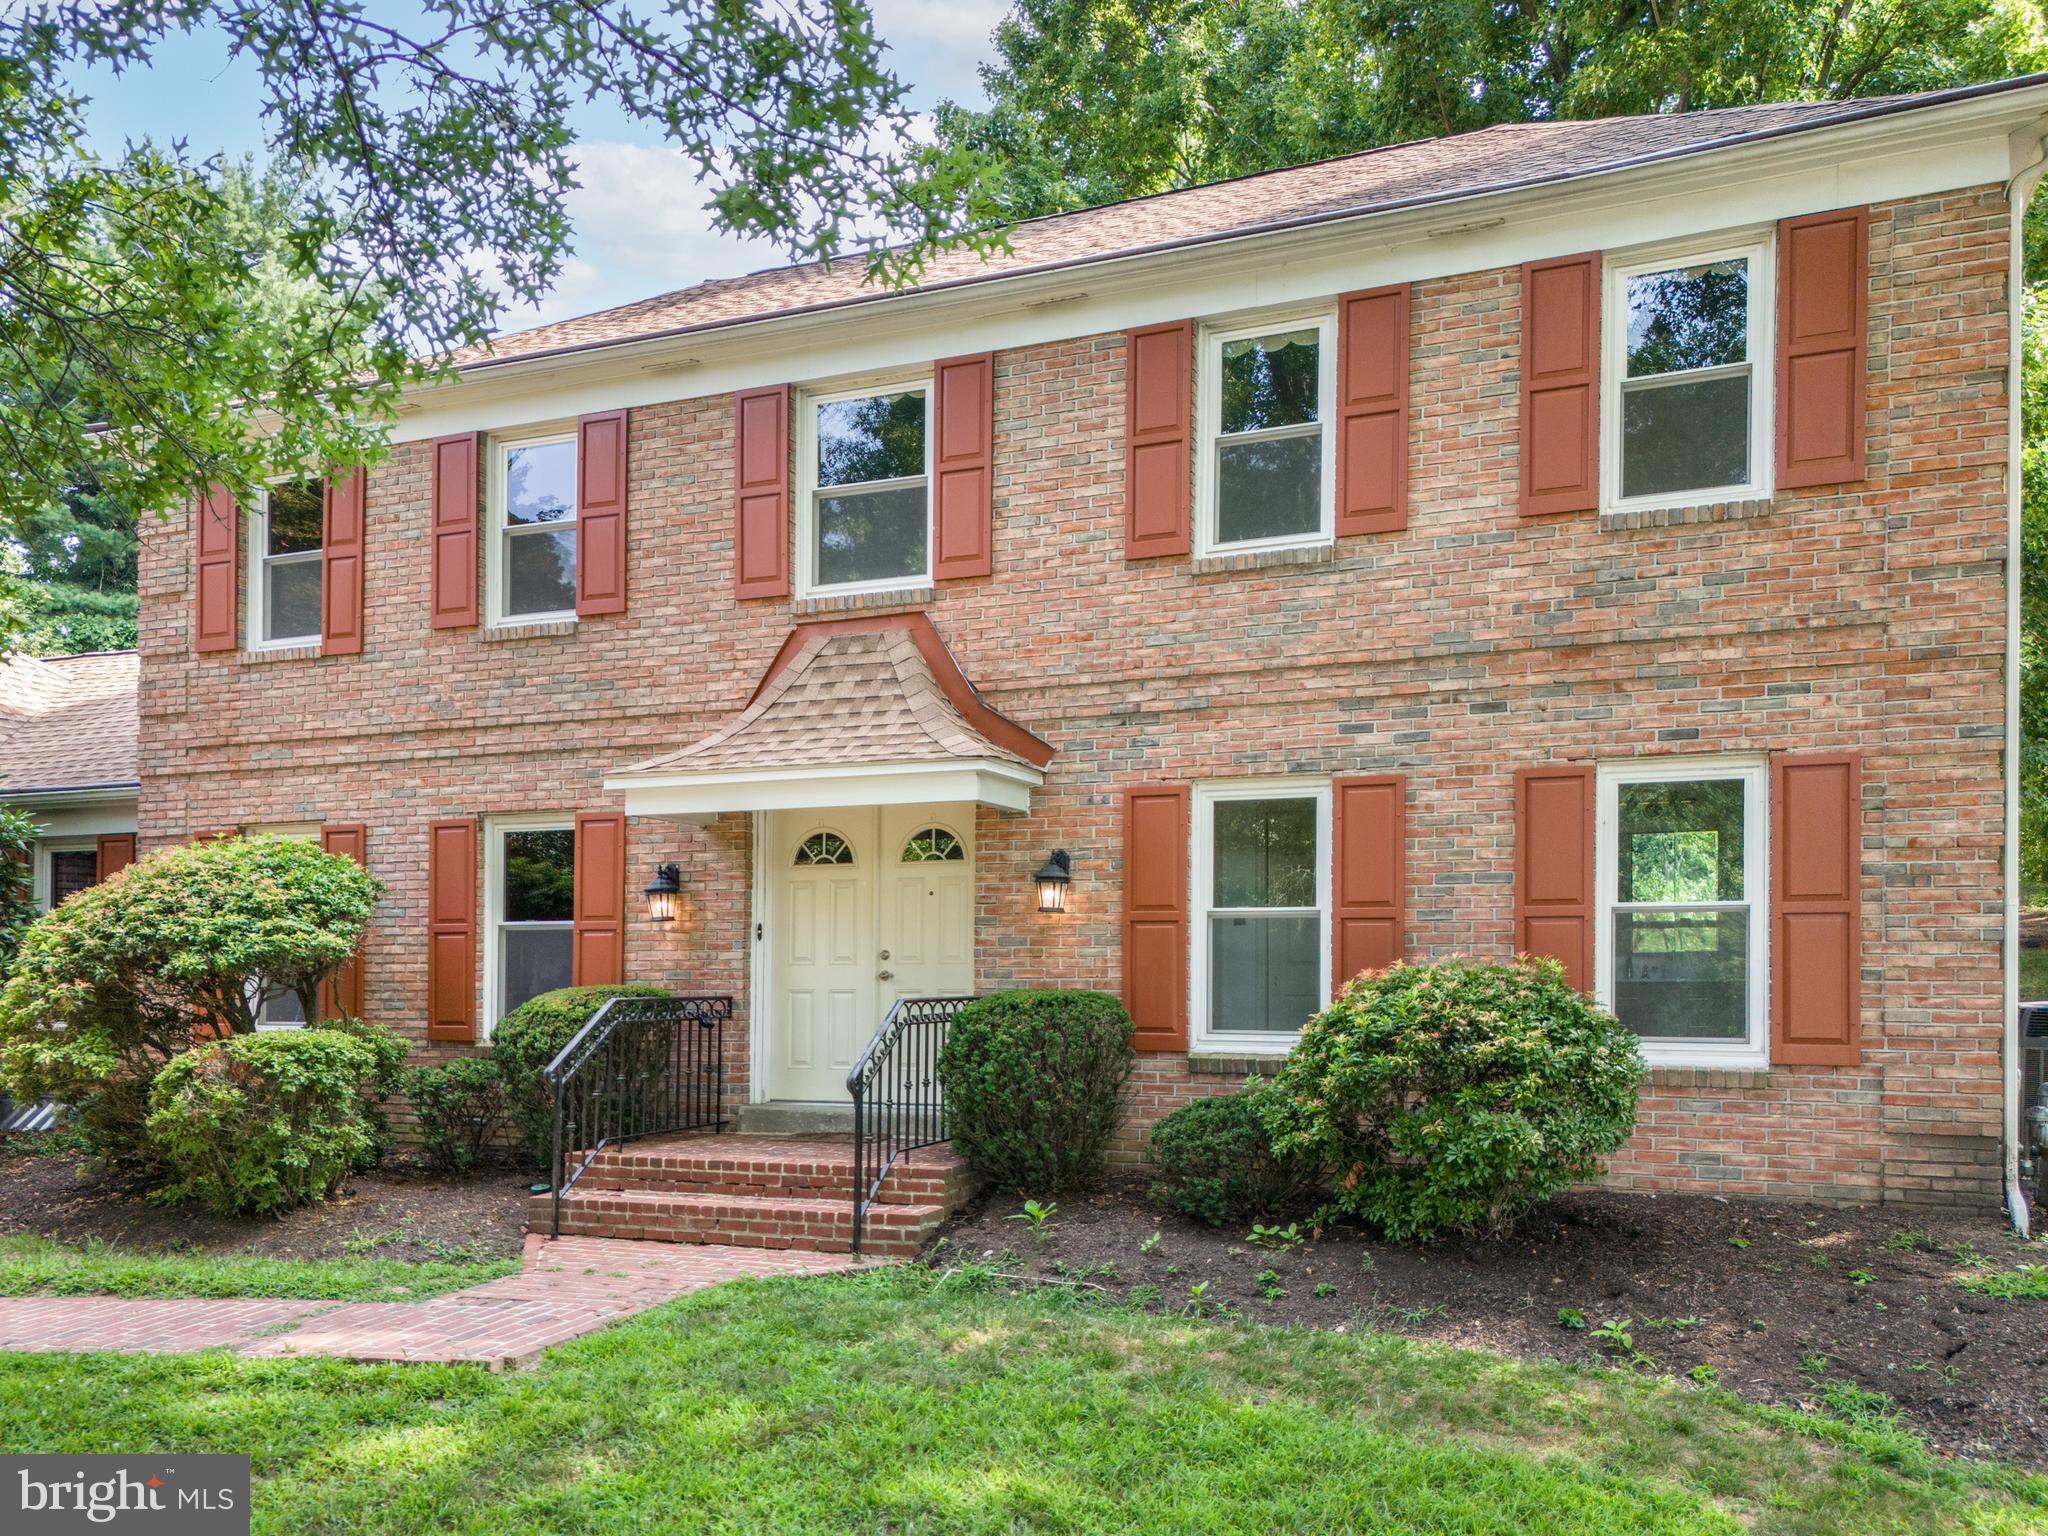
(32, 1266)
(2033, 975)
(895, 1402)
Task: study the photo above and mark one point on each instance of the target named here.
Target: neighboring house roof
(863, 692)
(1371, 181)
(68, 722)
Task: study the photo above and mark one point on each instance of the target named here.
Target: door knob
(885, 975)
(883, 955)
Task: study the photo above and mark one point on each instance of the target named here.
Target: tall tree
(144, 312)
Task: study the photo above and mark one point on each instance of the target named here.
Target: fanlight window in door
(823, 848)
(934, 845)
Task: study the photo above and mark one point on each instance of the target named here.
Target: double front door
(866, 906)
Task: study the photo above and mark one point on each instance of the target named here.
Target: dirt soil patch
(392, 1213)
(1789, 1304)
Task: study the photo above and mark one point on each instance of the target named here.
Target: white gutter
(2019, 191)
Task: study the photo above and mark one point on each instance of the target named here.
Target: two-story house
(1586, 538)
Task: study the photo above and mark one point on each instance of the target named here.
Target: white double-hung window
(285, 539)
(1680, 892)
(864, 489)
(1265, 475)
(1261, 911)
(530, 905)
(1686, 393)
(530, 565)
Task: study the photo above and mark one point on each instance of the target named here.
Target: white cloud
(934, 45)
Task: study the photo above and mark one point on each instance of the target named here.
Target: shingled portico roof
(68, 723)
(854, 712)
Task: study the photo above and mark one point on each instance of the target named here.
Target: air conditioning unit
(2034, 1095)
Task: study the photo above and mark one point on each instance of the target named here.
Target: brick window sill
(1680, 517)
(1696, 1078)
(495, 632)
(860, 602)
(1202, 1064)
(282, 653)
(1260, 559)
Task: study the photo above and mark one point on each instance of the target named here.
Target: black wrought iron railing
(642, 1066)
(897, 1103)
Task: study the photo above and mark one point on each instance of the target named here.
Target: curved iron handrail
(641, 1066)
(898, 1103)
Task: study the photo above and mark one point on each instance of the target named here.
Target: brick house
(1589, 538)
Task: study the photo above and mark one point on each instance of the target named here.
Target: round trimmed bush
(460, 1105)
(531, 1036)
(1032, 1080)
(1453, 1096)
(260, 1123)
(1216, 1161)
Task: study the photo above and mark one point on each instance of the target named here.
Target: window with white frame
(69, 866)
(1261, 905)
(1686, 407)
(531, 877)
(1681, 926)
(279, 1007)
(531, 563)
(864, 514)
(285, 538)
(1265, 477)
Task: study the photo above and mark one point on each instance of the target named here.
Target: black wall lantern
(662, 892)
(1053, 881)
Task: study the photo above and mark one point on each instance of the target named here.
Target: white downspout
(2018, 193)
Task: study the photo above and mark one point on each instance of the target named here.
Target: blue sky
(640, 224)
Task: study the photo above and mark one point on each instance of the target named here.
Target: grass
(2033, 975)
(37, 1266)
(902, 1402)
(2027, 1282)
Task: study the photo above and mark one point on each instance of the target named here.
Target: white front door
(868, 905)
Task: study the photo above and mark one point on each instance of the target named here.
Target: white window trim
(495, 828)
(1753, 1050)
(1757, 249)
(807, 403)
(43, 882)
(1209, 422)
(1201, 883)
(259, 563)
(496, 535)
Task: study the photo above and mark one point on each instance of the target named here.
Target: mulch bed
(394, 1213)
(1767, 1293)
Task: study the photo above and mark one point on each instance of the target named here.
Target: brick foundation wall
(1868, 617)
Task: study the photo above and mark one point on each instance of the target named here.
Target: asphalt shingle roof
(68, 722)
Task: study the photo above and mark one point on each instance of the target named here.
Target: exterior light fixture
(662, 891)
(1053, 881)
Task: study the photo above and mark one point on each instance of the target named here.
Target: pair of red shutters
(455, 541)
(1815, 911)
(598, 954)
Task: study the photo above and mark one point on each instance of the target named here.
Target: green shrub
(461, 1109)
(261, 1123)
(167, 954)
(390, 1052)
(531, 1036)
(1217, 1163)
(1032, 1080)
(1453, 1096)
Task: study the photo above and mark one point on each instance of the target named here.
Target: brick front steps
(756, 1192)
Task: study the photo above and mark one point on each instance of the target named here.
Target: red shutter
(451, 930)
(1156, 914)
(116, 852)
(1816, 909)
(1158, 439)
(1561, 385)
(1369, 825)
(341, 564)
(1554, 868)
(342, 996)
(1372, 411)
(213, 588)
(601, 514)
(599, 956)
(760, 536)
(1823, 340)
(963, 466)
(455, 532)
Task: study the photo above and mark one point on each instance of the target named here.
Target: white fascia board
(1970, 143)
(1004, 785)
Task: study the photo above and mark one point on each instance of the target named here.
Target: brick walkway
(567, 1287)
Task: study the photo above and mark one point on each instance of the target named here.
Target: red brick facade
(1867, 618)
